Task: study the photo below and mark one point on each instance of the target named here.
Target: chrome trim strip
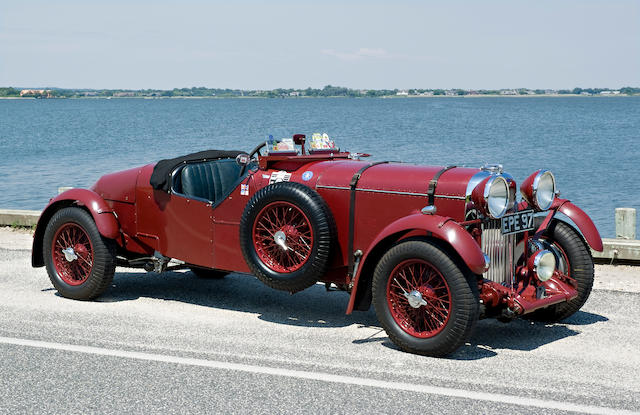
(321, 186)
(394, 192)
(451, 197)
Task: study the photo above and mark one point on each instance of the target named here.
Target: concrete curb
(13, 217)
(616, 249)
(624, 249)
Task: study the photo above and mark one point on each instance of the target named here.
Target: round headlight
(544, 190)
(539, 189)
(492, 196)
(497, 196)
(544, 264)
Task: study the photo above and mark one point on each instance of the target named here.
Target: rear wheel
(80, 262)
(423, 300)
(575, 263)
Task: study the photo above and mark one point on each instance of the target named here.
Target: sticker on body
(279, 176)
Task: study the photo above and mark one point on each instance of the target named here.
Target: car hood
(119, 186)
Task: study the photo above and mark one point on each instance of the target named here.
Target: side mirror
(300, 139)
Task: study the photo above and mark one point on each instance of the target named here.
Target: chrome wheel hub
(415, 299)
(69, 254)
(281, 240)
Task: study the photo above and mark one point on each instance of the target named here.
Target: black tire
(208, 273)
(463, 309)
(307, 204)
(70, 278)
(581, 270)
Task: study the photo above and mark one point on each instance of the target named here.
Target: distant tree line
(327, 91)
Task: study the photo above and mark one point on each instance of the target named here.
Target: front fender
(102, 214)
(438, 226)
(582, 221)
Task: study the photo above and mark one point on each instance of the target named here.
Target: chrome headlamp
(539, 189)
(543, 264)
(492, 196)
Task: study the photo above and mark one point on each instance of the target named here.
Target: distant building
(402, 93)
(35, 93)
(607, 92)
(508, 92)
(123, 94)
(294, 94)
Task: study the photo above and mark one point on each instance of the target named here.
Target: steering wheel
(257, 149)
(252, 154)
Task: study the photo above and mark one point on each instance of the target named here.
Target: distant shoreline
(337, 96)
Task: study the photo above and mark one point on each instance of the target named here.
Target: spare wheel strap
(352, 211)
(434, 182)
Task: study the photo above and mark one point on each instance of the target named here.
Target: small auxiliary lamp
(300, 139)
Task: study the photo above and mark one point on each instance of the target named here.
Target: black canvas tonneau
(160, 178)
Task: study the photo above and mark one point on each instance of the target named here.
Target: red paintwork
(73, 236)
(119, 186)
(524, 301)
(428, 319)
(388, 201)
(526, 188)
(101, 212)
(582, 220)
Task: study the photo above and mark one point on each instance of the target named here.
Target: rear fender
(102, 214)
(445, 229)
(582, 221)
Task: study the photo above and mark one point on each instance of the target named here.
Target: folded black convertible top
(160, 178)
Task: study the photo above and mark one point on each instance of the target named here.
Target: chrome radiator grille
(501, 251)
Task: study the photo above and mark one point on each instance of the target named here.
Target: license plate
(517, 222)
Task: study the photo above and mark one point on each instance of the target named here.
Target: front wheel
(575, 263)
(80, 262)
(423, 299)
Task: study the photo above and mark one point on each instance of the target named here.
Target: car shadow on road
(521, 334)
(315, 307)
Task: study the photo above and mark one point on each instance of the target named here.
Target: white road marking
(323, 377)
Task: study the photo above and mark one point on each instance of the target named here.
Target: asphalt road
(172, 343)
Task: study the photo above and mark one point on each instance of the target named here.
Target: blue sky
(263, 45)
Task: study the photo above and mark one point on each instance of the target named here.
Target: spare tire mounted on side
(286, 234)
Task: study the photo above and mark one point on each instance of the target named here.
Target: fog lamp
(543, 264)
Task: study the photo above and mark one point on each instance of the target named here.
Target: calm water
(589, 143)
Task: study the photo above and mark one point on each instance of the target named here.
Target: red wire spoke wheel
(419, 298)
(283, 237)
(424, 301)
(80, 262)
(286, 234)
(72, 254)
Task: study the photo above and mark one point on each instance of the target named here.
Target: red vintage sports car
(433, 248)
